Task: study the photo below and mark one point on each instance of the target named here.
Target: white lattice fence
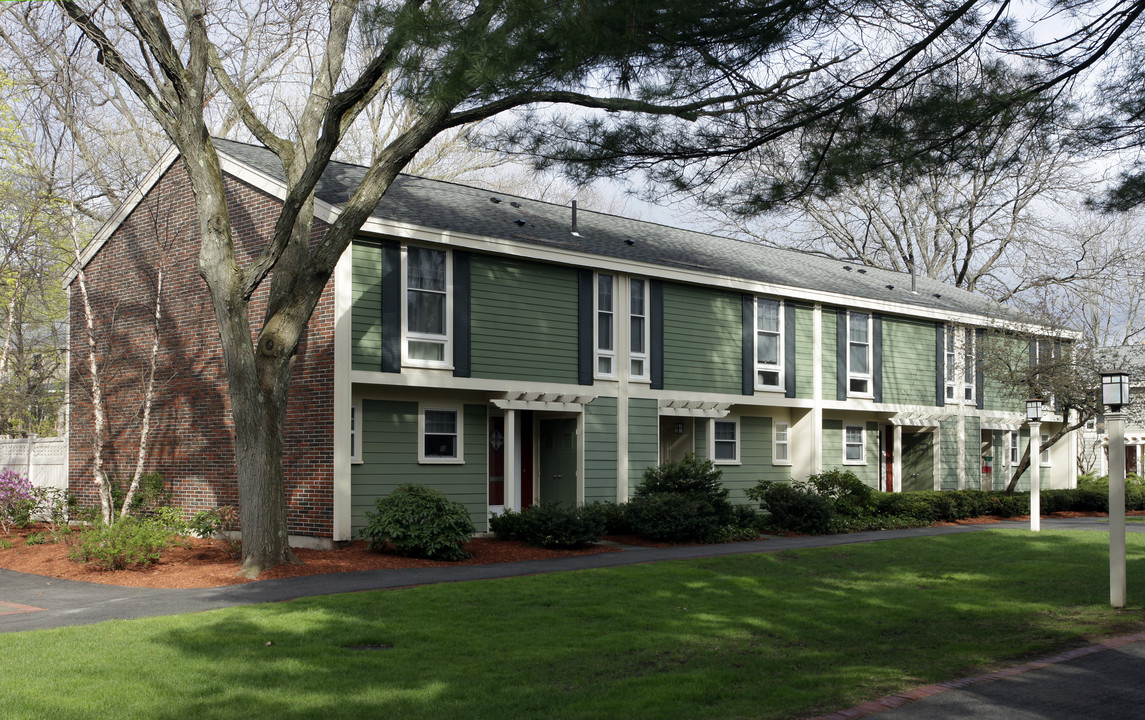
(43, 460)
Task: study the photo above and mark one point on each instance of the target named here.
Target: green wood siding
(524, 320)
(701, 426)
(832, 442)
(830, 378)
(949, 458)
(972, 480)
(389, 453)
(804, 352)
(755, 447)
(999, 353)
(366, 307)
(909, 365)
(600, 450)
(702, 339)
(643, 439)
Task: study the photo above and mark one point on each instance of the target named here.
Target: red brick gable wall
(192, 440)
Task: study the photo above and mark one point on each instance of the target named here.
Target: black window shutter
(461, 326)
(877, 356)
(587, 349)
(748, 346)
(841, 353)
(979, 379)
(656, 333)
(789, 349)
(391, 307)
(940, 363)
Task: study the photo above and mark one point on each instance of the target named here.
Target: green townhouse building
(508, 351)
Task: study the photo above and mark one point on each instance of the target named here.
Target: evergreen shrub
(550, 525)
(419, 522)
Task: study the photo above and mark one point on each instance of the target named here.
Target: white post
(512, 469)
(898, 459)
(1115, 426)
(1035, 476)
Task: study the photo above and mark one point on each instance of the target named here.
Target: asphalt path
(1105, 681)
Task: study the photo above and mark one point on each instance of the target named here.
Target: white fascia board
(126, 208)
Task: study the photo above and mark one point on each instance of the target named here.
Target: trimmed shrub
(679, 517)
(848, 494)
(690, 476)
(419, 522)
(550, 525)
(794, 507)
(615, 517)
(914, 505)
(130, 542)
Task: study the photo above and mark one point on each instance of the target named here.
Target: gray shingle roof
(459, 208)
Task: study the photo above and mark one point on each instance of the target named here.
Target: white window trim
(775, 443)
(969, 354)
(777, 368)
(868, 376)
(712, 441)
(1015, 448)
(598, 352)
(862, 445)
(1044, 456)
(421, 458)
(447, 363)
(356, 432)
(959, 390)
(646, 315)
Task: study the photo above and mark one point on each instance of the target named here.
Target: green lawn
(759, 636)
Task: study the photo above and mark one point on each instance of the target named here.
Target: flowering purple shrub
(17, 500)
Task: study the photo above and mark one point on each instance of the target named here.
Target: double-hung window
(781, 452)
(768, 344)
(961, 362)
(605, 326)
(638, 329)
(1015, 448)
(859, 353)
(427, 306)
(1045, 454)
(725, 441)
(854, 447)
(440, 435)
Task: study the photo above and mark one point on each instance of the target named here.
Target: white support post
(1115, 426)
(897, 467)
(1035, 476)
(512, 462)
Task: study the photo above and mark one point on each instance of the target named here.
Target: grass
(757, 636)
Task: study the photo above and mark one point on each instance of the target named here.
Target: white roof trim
(694, 408)
(121, 213)
(551, 402)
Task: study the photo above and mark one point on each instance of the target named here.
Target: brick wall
(192, 440)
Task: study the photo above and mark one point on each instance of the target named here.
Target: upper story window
(605, 326)
(1045, 454)
(961, 364)
(725, 441)
(638, 329)
(427, 307)
(859, 353)
(768, 344)
(1015, 448)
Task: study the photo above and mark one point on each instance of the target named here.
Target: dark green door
(917, 461)
(558, 460)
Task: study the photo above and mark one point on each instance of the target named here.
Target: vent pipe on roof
(574, 230)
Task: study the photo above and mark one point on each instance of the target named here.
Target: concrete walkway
(1102, 681)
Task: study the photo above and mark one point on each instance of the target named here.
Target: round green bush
(550, 525)
(678, 517)
(419, 522)
(795, 509)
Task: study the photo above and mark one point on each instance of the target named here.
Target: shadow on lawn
(770, 635)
